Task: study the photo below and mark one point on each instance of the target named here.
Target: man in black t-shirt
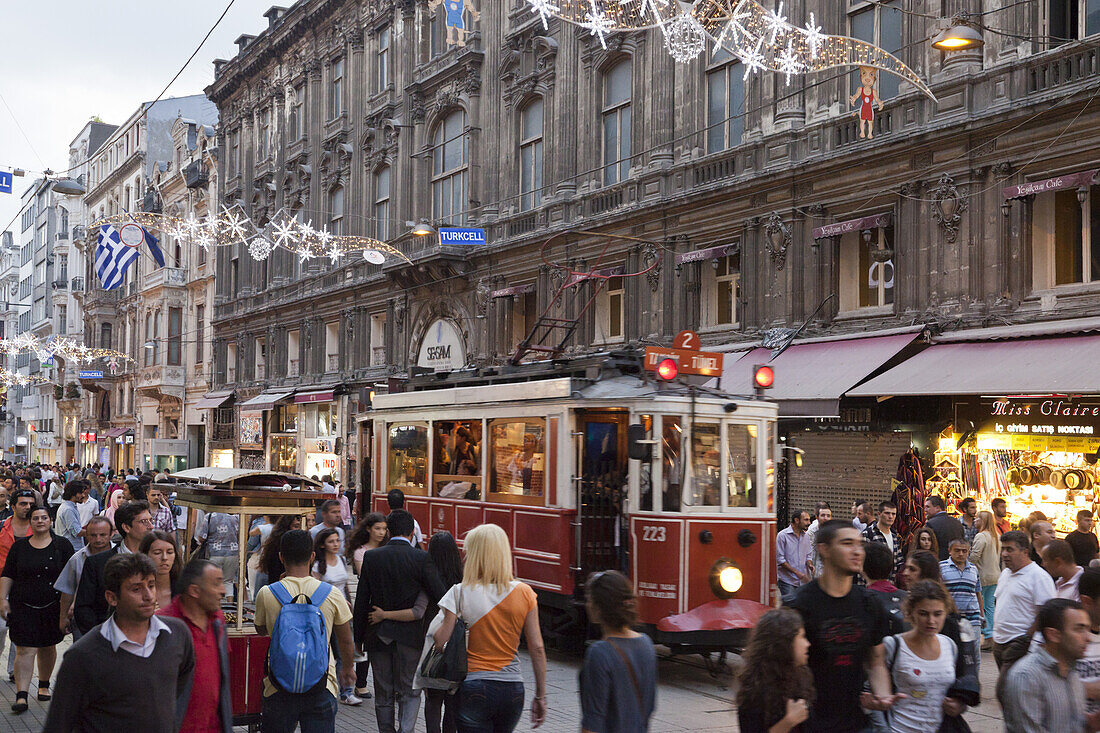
(1083, 539)
(845, 624)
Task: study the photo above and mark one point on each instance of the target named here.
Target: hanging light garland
(60, 346)
(763, 39)
(9, 378)
(233, 226)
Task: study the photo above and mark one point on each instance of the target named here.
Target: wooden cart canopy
(243, 477)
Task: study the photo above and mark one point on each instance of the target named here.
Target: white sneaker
(351, 700)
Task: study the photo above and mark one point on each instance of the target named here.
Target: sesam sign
(443, 348)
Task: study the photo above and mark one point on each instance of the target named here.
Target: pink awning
(877, 221)
(1063, 365)
(213, 399)
(810, 378)
(115, 432)
(1070, 180)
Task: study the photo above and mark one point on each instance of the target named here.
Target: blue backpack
(297, 659)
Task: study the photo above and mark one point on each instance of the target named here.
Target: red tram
(593, 465)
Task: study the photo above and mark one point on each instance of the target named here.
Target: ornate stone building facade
(740, 204)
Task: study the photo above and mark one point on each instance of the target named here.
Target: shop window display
(408, 460)
(867, 270)
(517, 461)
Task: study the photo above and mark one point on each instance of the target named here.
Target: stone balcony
(165, 276)
(162, 381)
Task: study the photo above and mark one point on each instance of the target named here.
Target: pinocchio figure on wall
(456, 26)
(866, 96)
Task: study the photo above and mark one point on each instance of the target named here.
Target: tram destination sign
(702, 363)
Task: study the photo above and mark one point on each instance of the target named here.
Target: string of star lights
(60, 346)
(233, 226)
(764, 40)
(15, 379)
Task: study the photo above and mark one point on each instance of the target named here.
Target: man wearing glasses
(90, 608)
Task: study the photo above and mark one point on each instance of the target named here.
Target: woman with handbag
(619, 677)
(495, 608)
(921, 663)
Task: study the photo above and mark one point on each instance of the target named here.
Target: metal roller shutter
(842, 467)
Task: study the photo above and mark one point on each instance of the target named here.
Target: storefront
(219, 428)
(319, 434)
(270, 409)
(222, 458)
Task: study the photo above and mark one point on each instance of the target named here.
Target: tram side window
(706, 465)
(645, 471)
(517, 460)
(408, 460)
(457, 465)
(741, 471)
(672, 463)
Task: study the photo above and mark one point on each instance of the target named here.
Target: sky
(63, 62)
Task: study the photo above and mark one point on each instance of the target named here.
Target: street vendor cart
(245, 493)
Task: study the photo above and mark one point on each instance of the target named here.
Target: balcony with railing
(165, 276)
(378, 356)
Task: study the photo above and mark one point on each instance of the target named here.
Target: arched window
(616, 122)
(530, 155)
(450, 158)
(336, 210)
(725, 101)
(382, 204)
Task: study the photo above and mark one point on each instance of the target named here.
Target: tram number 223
(653, 534)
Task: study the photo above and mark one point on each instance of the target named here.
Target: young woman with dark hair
(619, 677)
(369, 534)
(440, 706)
(162, 549)
(777, 687)
(271, 567)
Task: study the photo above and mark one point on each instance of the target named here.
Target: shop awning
(1070, 180)
(213, 399)
(811, 377)
(1062, 365)
(317, 395)
(878, 221)
(267, 400)
(115, 432)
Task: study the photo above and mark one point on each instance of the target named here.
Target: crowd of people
(342, 601)
(880, 633)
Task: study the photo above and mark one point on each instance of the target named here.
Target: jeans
(439, 711)
(988, 600)
(394, 668)
(282, 712)
(485, 706)
(787, 590)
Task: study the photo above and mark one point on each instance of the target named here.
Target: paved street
(689, 700)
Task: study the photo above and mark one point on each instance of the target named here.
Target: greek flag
(112, 256)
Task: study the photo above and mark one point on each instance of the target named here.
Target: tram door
(603, 486)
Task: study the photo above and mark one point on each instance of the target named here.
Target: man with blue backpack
(302, 613)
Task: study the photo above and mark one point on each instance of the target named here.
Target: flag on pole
(151, 241)
(114, 253)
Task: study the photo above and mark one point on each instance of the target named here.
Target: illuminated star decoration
(752, 59)
(235, 224)
(598, 24)
(744, 28)
(775, 22)
(16, 379)
(789, 62)
(814, 37)
(545, 9)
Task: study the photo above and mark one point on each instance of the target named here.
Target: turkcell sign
(89, 375)
(462, 236)
(5, 181)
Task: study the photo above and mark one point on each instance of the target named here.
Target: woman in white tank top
(922, 662)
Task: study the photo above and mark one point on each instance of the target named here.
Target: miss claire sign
(1035, 416)
(443, 348)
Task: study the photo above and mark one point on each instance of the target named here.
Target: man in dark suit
(392, 578)
(942, 524)
(90, 608)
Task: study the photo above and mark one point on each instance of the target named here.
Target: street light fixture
(960, 35)
(421, 228)
(68, 187)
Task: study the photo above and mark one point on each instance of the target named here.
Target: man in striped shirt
(962, 581)
(882, 530)
(1042, 691)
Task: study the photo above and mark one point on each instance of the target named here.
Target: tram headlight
(725, 578)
